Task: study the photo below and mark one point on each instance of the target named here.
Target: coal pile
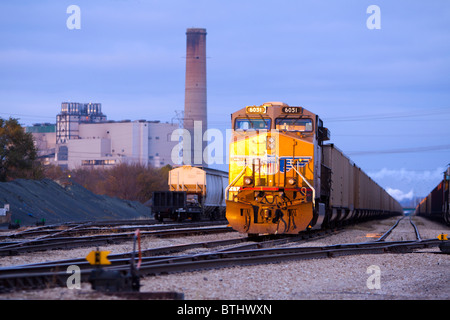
(33, 200)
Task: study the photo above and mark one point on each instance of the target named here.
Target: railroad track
(27, 278)
(78, 229)
(154, 254)
(50, 242)
(54, 273)
(388, 233)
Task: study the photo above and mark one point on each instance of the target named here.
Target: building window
(97, 162)
(63, 153)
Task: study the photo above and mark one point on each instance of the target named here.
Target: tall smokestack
(195, 120)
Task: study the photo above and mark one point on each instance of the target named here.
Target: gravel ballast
(423, 274)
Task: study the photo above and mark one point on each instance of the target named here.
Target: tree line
(18, 160)
(125, 181)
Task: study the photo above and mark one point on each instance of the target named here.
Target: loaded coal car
(436, 205)
(283, 179)
(349, 194)
(194, 193)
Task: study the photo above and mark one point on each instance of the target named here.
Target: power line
(393, 116)
(400, 150)
(27, 115)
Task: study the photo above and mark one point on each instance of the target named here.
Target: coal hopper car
(436, 205)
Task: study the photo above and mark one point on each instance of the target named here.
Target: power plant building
(44, 137)
(72, 115)
(84, 138)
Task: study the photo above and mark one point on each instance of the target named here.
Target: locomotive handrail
(309, 185)
(234, 181)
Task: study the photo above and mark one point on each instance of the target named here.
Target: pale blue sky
(377, 90)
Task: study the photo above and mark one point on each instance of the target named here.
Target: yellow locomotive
(281, 174)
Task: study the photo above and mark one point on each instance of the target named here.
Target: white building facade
(84, 138)
(44, 138)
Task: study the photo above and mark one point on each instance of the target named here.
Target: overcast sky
(383, 93)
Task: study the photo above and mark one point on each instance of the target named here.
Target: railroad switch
(114, 280)
(442, 236)
(444, 246)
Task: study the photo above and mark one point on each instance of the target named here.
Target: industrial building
(83, 137)
(44, 137)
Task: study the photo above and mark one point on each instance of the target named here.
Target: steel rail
(254, 243)
(165, 265)
(148, 254)
(387, 233)
(69, 242)
(93, 227)
(261, 256)
(418, 237)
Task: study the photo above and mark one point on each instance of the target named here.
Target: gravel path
(424, 274)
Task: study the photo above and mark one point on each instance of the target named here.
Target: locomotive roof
(273, 110)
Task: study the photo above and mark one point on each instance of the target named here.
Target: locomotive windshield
(294, 124)
(252, 124)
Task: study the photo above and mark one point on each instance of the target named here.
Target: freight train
(436, 205)
(283, 179)
(194, 193)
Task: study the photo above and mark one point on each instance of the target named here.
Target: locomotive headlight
(291, 181)
(248, 181)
